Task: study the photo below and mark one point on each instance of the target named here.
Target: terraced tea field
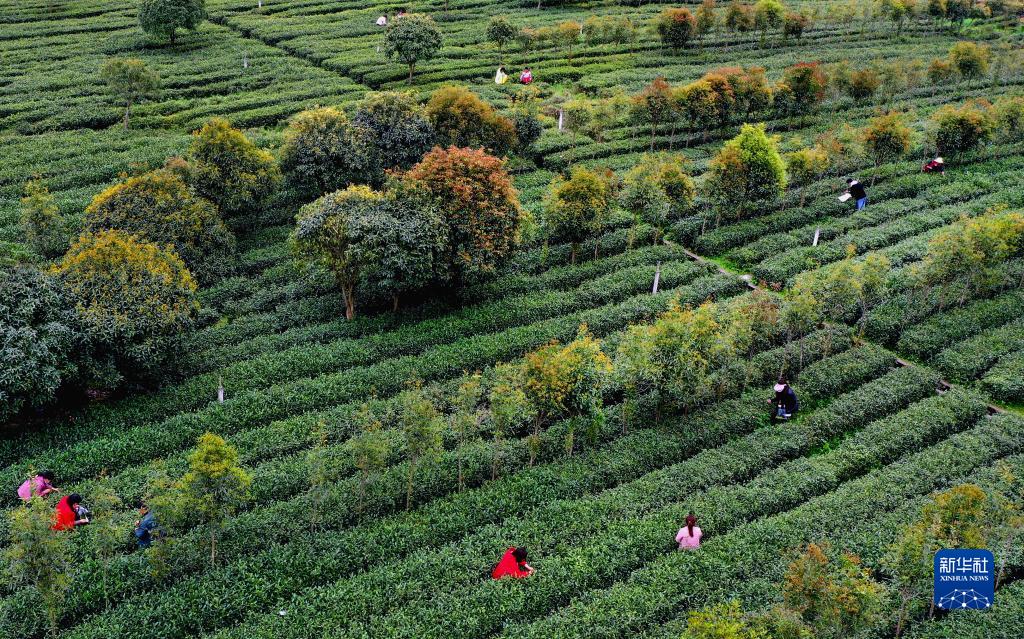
(921, 393)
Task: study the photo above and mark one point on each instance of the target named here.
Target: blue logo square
(964, 579)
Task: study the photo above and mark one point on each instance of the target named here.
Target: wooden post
(560, 114)
(817, 234)
(657, 278)
(220, 390)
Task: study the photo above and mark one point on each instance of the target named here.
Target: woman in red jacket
(67, 516)
(513, 564)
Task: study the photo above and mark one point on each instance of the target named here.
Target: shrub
(163, 18)
(474, 194)
(958, 130)
(887, 138)
(396, 134)
(42, 336)
(460, 118)
(1009, 114)
(676, 27)
(135, 299)
(576, 209)
(229, 170)
(321, 153)
(41, 221)
(862, 84)
(1005, 380)
(158, 207)
(970, 58)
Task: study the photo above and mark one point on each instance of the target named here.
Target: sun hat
(779, 388)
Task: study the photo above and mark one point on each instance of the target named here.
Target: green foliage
(1009, 114)
(887, 137)
(721, 621)
(958, 130)
(214, 487)
(794, 24)
(655, 189)
(158, 207)
(421, 424)
(768, 14)
(970, 59)
(370, 449)
(806, 82)
(967, 255)
(501, 31)
(739, 17)
(163, 18)
(746, 173)
(576, 209)
(136, 300)
(322, 152)
(39, 557)
(412, 39)
(41, 222)
(106, 530)
(676, 27)
(653, 105)
(897, 11)
(460, 118)
(130, 80)
(393, 129)
(42, 336)
(862, 84)
(836, 597)
(229, 170)
(474, 195)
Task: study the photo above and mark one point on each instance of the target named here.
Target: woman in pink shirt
(39, 486)
(688, 537)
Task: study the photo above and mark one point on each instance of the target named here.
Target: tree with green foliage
(801, 311)
(970, 59)
(473, 194)
(655, 189)
(1009, 117)
(158, 207)
(501, 31)
(322, 153)
(322, 472)
(370, 449)
(699, 102)
(807, 82)
(39, 557)
(746, 173)
(768, 14)
(460, 118)
(851, 285)
(333, 231)
(466, 417)
(835, 596)
(422, 426)
(136, 300)
(955, 518)
(163, 18)
(412, 39)
(44, 340)
(862, 84)
(510, 409)
(886, 138)
(393, 132)
(654, 105)
(567, 34)
(106, 531)
(676, 27)
(806, 165)
(959, 130)
(576, 209)
(966, 256)
(226, 168)
(897, 12)
(41, 222)
(566, 381)
(214, 487)
(130, 81)
(739, 17)
(706, 19)
(794, 23)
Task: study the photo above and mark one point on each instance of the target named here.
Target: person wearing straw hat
(785, 404)
(938, 165)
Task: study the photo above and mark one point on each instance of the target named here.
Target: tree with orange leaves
(475, 197)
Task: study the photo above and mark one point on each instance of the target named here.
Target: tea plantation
(349, 333)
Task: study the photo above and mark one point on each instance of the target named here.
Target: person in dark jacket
(785, 404)
(857, 192)
(146, 529)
